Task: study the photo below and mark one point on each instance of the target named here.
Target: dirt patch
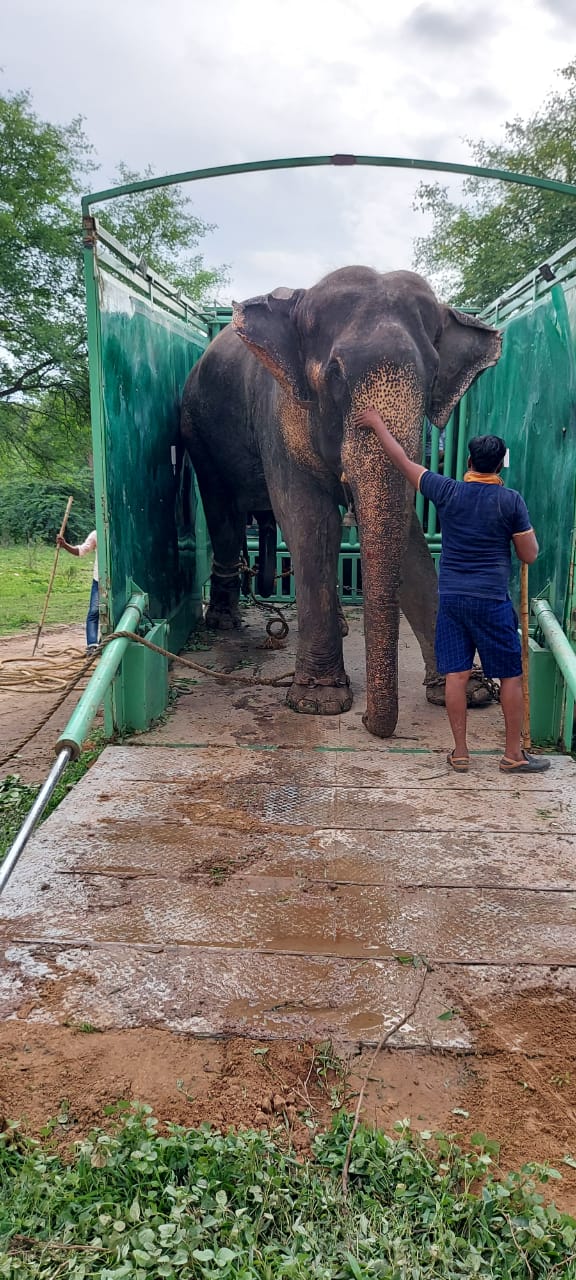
(523, 1095)
(78, 1072)
(518, 1086)
(21, 711)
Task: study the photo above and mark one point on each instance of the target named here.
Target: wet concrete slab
(323, 766)
(244, 870)
(231, 715)
(213, 854)
(264, 807)
(283, 916)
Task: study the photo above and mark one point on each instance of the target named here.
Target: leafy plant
(190, 1203)
(33, 509)
(44, 398)
(17, 798)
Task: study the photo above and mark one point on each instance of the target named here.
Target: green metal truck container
(143, 338)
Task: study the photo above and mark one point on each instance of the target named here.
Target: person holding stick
(93, 617)
(480, 521)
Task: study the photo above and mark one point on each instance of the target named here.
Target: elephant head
(356, 339)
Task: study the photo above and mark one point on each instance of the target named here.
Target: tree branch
(22, 383)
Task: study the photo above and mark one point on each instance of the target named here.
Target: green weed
(195, 1203)
(17, 797)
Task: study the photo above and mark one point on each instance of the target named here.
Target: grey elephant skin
(268, 420)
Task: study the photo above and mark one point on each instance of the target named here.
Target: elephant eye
(335, 372)
(337, 385)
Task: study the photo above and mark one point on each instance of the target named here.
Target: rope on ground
(224, 677)
(55, 706)
(401, 1022)
(49, 673)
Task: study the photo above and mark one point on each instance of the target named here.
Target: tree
(44, 403)
(158, 224)
(42, 343)
(478, 248)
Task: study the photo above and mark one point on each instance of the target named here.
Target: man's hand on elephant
(369, 418)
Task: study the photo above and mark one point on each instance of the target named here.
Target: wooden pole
(524, 620)
(49, 591)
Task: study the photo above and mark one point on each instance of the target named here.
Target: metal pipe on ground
(69, 744)
(557, 642)
(33, 817)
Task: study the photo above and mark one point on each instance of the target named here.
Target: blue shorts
(469, 623)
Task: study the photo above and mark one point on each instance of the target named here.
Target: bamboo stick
(52, 576)
(524, 619)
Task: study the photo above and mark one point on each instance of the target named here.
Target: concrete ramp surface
(243, 870)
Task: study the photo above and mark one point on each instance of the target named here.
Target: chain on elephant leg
(320, 696)
(481, 691)
(223, 613)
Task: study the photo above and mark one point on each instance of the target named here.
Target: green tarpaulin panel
(529, 398)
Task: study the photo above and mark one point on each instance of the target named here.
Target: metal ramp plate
(275, 881)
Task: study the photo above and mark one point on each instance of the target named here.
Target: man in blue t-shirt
(480, 520)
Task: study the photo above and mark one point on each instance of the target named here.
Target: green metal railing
(69, 744)
(339, 160)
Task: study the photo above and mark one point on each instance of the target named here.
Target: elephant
(267, 417)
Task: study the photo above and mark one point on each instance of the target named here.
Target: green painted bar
(83, 715)
(420, 496)
(434, 462)
(448, 466)
(344, 160)
(558, 643)
(568, 722)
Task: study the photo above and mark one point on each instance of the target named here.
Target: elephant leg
(226, 528)
(419, 604)
(310, 522)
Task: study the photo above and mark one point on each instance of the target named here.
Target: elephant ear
(466, 346)
(266, 324)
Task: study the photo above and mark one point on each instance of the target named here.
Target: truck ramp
(242, 870)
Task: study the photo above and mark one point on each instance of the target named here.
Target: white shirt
(90, 545)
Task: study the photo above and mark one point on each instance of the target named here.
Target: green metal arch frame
(309, 162)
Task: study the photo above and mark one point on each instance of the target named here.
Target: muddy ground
(518, 1085)
(30, 686)
(525, 1100)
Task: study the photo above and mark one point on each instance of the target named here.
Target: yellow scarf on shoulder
(478, 477)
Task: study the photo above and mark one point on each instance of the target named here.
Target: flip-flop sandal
(530, 764)
(460, 764)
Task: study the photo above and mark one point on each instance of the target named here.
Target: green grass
(195, 1203)
(17, 797)
(24, 577)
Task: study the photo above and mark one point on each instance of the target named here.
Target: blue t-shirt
(478, 521)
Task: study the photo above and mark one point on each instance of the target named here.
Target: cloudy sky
(180, 84)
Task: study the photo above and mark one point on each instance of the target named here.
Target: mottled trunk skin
(380, 502)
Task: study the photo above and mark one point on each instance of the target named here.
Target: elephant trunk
(379, 492)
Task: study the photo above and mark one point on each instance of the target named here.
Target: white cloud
(191, 83)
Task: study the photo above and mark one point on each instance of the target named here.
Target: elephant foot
(222, 619)
(478, 692)
(319, 699)
(381, 726)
